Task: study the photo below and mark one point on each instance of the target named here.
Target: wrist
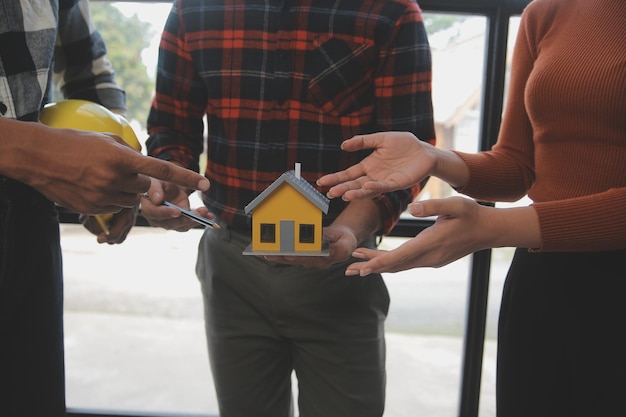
(514, 227)
(450, 168)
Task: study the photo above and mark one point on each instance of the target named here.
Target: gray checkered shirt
(52, 42)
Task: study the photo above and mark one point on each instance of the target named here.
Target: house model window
(307, 233)
(287, 218)
(268, 233)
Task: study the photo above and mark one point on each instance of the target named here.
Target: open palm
(399, 161)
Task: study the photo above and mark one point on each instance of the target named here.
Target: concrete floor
(135, 337)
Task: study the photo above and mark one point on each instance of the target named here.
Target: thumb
(417, 209)
(438, 207)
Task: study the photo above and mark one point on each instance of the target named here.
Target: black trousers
(31, 305)
(562, 336)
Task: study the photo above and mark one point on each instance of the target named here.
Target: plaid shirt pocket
(342, 80)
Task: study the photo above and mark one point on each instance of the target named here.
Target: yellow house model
(287, 218)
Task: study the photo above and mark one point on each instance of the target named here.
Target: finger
(378, 261)
(90, 224)
(332, 179)
(120, 227)
(352, 173)
(360, 142)
(340, 189)
(384, 262)
(155, 193)
(437, 207)
(360, 194)
(171, 218)
(362, 268)
(365, 253)
(170, 172)
(165, 214)
(416, 209)
(175, 194)
(381, 186)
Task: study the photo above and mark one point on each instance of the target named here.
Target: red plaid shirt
(286, 81)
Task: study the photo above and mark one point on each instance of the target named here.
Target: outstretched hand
(461, 228)
(399, 161)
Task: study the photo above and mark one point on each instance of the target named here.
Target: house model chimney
(298, 170)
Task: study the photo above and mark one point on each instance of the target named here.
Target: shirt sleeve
(175, 122)
(404, 100)
(82, 69)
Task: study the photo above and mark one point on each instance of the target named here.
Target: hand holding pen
(172, 223)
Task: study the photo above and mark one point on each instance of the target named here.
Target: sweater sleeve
(595, 222)
(572, 172)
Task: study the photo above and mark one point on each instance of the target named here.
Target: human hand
(399, 161)
(170, 218)
(342, 242)
(118, 226)
(462, 227)
(88, 172)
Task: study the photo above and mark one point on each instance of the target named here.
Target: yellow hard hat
(93, 117)
(89, 116)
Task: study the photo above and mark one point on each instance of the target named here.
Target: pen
(189, 214)
(103, 224)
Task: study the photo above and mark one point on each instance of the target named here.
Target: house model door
(287, 236)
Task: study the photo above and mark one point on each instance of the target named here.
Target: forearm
(361, 217)
(15, 138)
(511, 227)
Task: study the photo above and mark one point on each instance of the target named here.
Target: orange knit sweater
(563, 134)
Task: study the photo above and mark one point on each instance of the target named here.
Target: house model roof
(297, 182)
